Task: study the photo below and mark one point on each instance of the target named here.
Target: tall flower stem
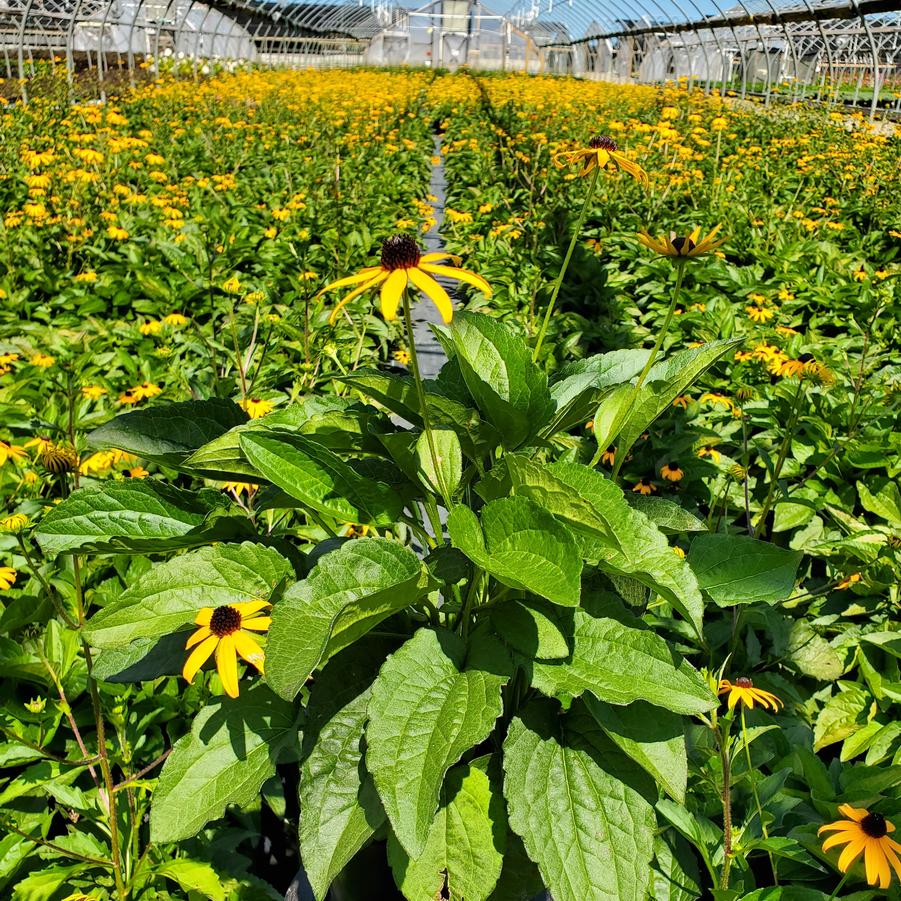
(655, 350)
(420, 393)
(780, 460)
(577, 230)
(753, 777)
(726, 800)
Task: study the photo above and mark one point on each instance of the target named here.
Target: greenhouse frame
(799, 49)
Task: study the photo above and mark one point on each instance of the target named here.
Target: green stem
(753, 777)
(420, 392)
(655, 350)
(569, 252)
(780, 460)
(839, 887)
(726, 800)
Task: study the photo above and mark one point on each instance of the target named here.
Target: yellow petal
(200, 635)
(249, 650)
(892, 857)
(257, 624)
(362, 276)
(461, 275)
(696, 233)
(435, 257)
(198, 657)
(227, 665)
(852, 813)
(381, 276)
(631, 168)
(851, 853)
(876, 864)
(203, 618)
(248, 608)
(391, 293)
(840, 826)
(840, 838)
(435, 292)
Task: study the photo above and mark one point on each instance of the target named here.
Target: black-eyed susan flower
(602, 152)
(672, 472)
(846, 583)
(867, 833)
(708, 450)
(14, 522)
(255, 407)
(402, 357)
(683, 400)
(7, 577)
(609, 455)
(742, 689)
(759, 314)
(227, 630)
(402, 263)
(692, 245)
(644, 486)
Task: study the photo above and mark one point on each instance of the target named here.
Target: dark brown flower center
(874, 825)
(744, 682)
(602, 142)
(683, 245)
(224, 621)
(255, 400)
(672, 466)
(400, 252)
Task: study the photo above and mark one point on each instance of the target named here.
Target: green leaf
(509, 389)
(619, 660)
(229, 753)
(167, 434)
(885, 502)
(665, 382)
(812, 654)
(339, 807)
(44, 883)
(668, 516)
(621, 539)
(520, 879)
(348, 592)
(531, 628)
(577, 385)
(426, 710)
(464, 850)
(842, 715)
(735, 569)
(137, 516)
(168, 597)
(580, 807)
(142, 660)
(612, 414)
(675, 876)
(39, 779)
(449, 470)
(522, 546)
(320, 479)
(193, 876)
(654, 738)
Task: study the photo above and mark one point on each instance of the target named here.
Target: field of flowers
(608, 608)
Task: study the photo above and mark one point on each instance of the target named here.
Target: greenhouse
(450, 451)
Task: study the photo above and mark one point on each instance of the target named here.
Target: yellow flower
(88, 276)
(710, 451)
(12, 452)
(865, 833)
(402, 357)
(151, 327)
(714, 399)
(175, 319)
(719, 123)
(15, 522)
(238, 488)
(609, 455)
(853, 579)
(679, 552)
(232, 285)
(402, 262)
(353, 530)
(743, 690)
(7, 577)
(672, 472)
(682, 401)
(44, 361)
(117, 233)
(644, 486)
(255, 407)
(93, 392)
(759, 314)
(600, 153)
(223, 630)
(692, 245)
(138, 472)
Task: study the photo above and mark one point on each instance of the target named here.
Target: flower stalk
(577, 230)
